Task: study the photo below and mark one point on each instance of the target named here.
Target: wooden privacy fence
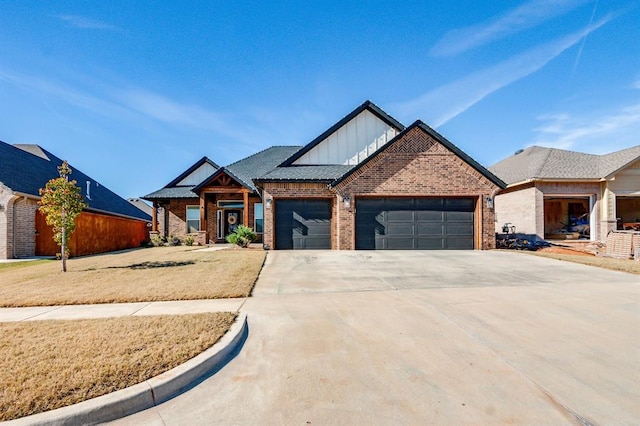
(95, 233)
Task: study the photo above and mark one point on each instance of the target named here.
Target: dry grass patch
(51, 364)
(623, 265)
(153, 274)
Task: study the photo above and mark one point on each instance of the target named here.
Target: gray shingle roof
(27, 168)
(259, 164)
(307, 173)
(174, 192)
(538, 162)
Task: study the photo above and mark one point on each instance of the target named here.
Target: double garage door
(381, 223)
(415, 223)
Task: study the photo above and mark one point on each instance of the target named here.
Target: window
(230, 204)
(258, 215)
(193, 219)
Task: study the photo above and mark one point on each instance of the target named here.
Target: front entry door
(232, 218)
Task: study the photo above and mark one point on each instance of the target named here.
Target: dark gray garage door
(303, 224)
(415, 223)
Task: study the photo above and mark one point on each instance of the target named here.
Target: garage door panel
(430, 216)
(431, 229)
(397, 243)
(454, 243)
(435, 204)
(400, 204)
(460, 229)
(400, 229)
(302, 224)
(460, 204)
(402, 215)
(430, 244)
(415, 223)
(458, 216)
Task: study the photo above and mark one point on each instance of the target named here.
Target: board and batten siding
(351, 143)
(198, 175)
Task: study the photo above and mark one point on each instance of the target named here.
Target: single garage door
(415, 223)
(303, 224)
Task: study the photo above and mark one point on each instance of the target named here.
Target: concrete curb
(149, 393)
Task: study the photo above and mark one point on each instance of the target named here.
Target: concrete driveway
(427, 338)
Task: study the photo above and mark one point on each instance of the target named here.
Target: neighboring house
(108, 223)
(553, 193)
(365, 183)
(146, 208)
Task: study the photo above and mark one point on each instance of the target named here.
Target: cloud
(524, 17)
(454, 98)
(86, 23)
(588, 133)
(131, 104)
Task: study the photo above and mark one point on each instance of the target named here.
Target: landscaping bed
(51, 364)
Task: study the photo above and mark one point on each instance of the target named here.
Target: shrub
(158, 240)
(173, 241)
(189, 240)
(242, 236)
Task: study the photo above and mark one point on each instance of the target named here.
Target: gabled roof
(244, 172)
(26, 168)
(367, 105)
(538, 162)
(192, 169)
(221, 170)
(438, 137)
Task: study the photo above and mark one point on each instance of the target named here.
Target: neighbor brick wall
(523, 209)
(6, 218)
(280, 190)
(24, 210)
(418, 165)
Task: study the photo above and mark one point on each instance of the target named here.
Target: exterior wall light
(489, 202)
(267, 203)
(347, 201)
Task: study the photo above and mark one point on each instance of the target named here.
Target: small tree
(61, 202)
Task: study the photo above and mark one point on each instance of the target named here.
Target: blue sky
(134, 92)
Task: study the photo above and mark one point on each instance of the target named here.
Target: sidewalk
(66, 312)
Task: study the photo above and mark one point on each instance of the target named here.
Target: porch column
(203, 216)
(154, 217)
(245, 216)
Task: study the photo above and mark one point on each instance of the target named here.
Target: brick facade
(417, 166)
(176, 214)
(279, 190)
(414, 166)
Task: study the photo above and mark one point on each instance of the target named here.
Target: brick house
(365, 183)
(108, 223)
(558, 194)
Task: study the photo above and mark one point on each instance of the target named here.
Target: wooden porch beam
(245, 218)
(154, 217)
(203, 216)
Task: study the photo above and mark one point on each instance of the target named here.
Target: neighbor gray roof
(27, 168)
(538, 162)
(307, 173)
